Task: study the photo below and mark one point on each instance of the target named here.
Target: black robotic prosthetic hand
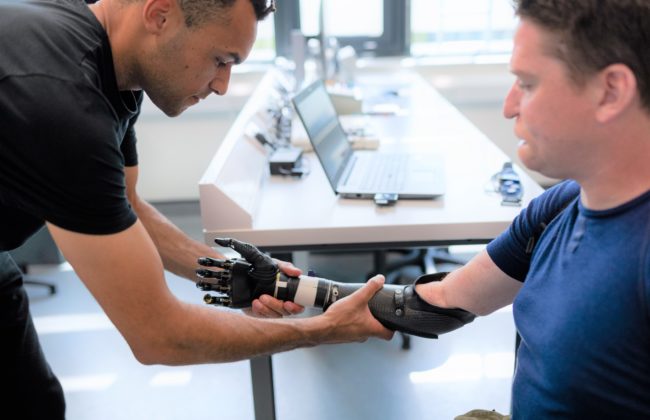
(397, 307)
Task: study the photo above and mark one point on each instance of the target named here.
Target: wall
(478, 92)
(175, 151)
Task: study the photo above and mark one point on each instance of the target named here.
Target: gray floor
(436, 379)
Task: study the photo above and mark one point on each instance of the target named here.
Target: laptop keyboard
(386, 174)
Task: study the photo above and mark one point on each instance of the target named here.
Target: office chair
(31, 281)
(39, 249)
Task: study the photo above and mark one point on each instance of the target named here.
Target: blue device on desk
(509, 186)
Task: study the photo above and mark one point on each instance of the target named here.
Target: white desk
(240, 199)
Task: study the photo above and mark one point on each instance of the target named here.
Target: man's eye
(524, 86)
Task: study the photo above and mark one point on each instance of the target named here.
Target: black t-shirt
(66, 131)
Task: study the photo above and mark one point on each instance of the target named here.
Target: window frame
(393, 41)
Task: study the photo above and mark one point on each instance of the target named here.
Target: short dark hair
(593, 34)
(198, 11)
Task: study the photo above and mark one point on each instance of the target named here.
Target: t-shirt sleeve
(65, 165)
(509, 250)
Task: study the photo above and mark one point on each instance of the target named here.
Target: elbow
(148, 353)
(482, 312)
(156, 350)
(484, 307)
(147, 357)
(158, 334)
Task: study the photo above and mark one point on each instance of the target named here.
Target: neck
(111, 15)
(623, 173)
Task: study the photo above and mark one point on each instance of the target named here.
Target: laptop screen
(326, 135)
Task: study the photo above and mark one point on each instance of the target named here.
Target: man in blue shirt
(576, 262)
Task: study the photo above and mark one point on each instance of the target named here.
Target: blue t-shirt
(582, 312)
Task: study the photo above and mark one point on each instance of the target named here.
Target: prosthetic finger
(213, 262)
(263, 267)
(254, 277)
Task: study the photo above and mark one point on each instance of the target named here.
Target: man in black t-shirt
(71, 82)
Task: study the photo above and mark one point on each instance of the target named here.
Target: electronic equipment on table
(363, 174)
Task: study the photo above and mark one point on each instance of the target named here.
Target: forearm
(178, 251)
(208, 335)
(178, 333)
(479, 287)
(195, 334)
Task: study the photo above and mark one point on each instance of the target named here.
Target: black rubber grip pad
(399, 308)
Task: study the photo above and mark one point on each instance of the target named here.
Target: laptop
(363, 174)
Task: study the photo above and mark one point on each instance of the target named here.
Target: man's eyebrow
(520, 73)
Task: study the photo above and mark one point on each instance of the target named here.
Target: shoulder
(543, 209)
(552, 201)
(47, 37)
(511, 251)
(58, 18)
(46, 107)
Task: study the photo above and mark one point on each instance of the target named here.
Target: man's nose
(219, 84)
(511, 103)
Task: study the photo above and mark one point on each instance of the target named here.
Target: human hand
(269, 307)
(351, 318)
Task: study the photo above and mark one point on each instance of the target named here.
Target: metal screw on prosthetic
(397, 307)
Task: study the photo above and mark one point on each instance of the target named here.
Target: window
(340, 21)
(379, 32)
(453, 29)
(264, 47)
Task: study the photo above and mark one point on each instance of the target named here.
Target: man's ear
(158, 14)
(618, 89)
